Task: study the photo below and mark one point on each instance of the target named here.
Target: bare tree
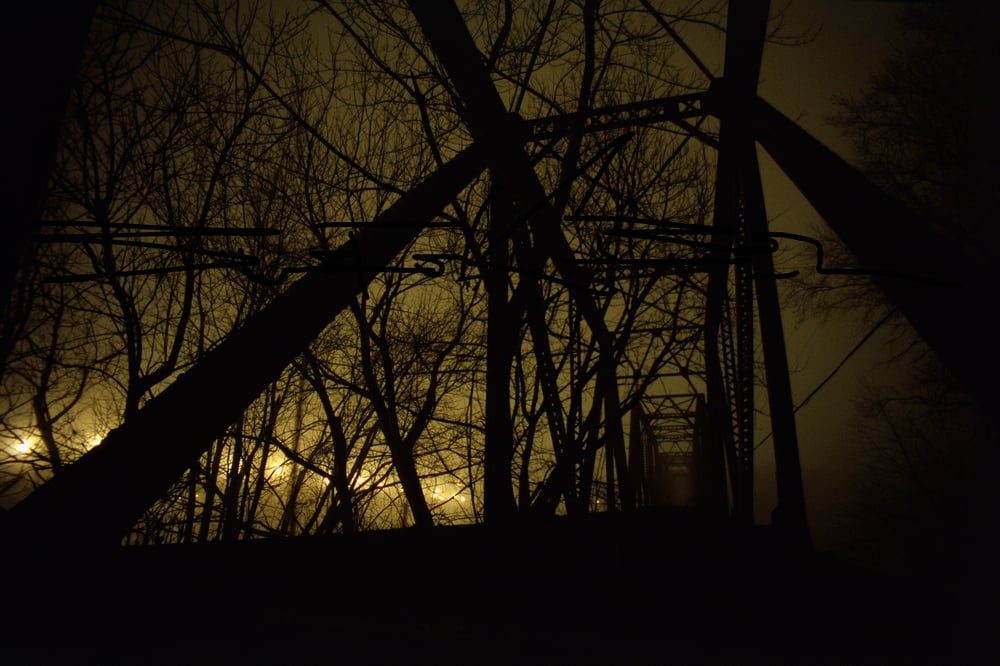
(242, 117)
(923, 130)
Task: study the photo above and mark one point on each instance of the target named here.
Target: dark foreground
(648, 588)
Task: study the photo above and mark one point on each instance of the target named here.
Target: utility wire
(840, 365)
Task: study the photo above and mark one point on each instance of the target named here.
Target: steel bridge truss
(97, 499)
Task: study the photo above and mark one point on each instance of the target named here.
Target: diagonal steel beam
(94, 502)
(920, 268)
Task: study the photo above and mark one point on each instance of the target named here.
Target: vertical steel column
(745, 380)
(727, 374)
(502, 327)
(747, 27)
(44, 46)
(790, 512)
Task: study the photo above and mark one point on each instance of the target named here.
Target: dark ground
(656, 588)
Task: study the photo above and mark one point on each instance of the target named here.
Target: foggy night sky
(852, 40)
(848, 40)
(844, 41)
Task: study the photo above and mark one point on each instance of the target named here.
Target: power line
(840, 365)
